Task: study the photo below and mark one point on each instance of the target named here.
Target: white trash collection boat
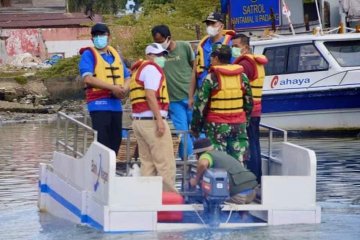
(85, 189)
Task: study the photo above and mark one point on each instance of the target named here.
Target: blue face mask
(160, 61)
(100, 41)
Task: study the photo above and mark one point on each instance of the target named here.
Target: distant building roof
(45, 20)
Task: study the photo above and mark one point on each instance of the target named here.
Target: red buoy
(169, 198)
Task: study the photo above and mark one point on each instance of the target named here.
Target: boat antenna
(287, 13)
(319, 17)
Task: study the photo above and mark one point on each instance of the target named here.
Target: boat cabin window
(293, 59)
(346, 53)
(277, 60)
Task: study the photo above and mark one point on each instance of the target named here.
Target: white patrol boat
(80, 184)
(312, 81)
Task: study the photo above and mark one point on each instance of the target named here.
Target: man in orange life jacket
(254, 68)
(216, 35)
(107, 80)
(223, 105)
(150, 103)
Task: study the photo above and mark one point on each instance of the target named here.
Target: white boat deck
(87, 190)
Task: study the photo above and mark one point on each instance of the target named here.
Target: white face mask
(212, 31)
(166, 43)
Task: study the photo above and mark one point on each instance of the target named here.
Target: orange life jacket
(200, 57)
(109, 73)
(226, 102)
(257, 82)
(137, 91)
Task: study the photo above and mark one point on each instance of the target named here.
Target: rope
(231, 210)
(197, 213)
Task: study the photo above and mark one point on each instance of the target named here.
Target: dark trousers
(254, 164)
(108, 124)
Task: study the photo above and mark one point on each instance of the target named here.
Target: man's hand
(191, 102)
(124, 91)
(193, 182)
(118, 91)
(160, 127)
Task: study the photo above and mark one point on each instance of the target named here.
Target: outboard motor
(215, 190)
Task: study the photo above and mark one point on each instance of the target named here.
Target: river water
(24, 146)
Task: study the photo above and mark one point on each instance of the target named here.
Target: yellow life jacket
(137, 91)
(109, 73)
(226, 102)
(200, 57)
(257, 82)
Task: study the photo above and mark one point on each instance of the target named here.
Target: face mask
(212, 31)
(160, 61)
(100, 41)
(166, 43)
(235, 52)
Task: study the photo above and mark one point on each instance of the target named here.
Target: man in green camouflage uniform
(223, 105)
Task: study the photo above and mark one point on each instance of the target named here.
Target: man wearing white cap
(150, 102)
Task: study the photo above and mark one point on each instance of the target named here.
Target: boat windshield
(346, 53)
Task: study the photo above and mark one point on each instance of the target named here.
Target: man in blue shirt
(216, 35)
(107, 82)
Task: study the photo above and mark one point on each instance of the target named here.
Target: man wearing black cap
(107, 80)
(223, 105)
(242, 182)
(216, 35)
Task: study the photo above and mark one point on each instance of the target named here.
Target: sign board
(253, 13)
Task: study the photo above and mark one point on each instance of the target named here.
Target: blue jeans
(181, 117)
(254, 164)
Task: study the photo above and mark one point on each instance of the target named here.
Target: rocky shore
(24, 113)
(39, 100)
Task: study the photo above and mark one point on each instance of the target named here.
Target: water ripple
(24, 146)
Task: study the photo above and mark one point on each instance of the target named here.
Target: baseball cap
(154, 48)
(202, 145)
(214, 17)
(99, 28)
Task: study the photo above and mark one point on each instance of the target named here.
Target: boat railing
(268, 154)
(340, 28)
(72, 136)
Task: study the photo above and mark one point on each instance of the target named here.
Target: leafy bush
(21, 80)
(181, 16)
(65, 67)
(130, 34)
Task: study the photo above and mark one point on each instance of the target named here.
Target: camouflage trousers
(230, 138)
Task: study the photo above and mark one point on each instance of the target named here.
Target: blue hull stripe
(308, 101)
(69, 206)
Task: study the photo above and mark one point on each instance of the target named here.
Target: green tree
(181, 16)
(96, 6)
(132, 33)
